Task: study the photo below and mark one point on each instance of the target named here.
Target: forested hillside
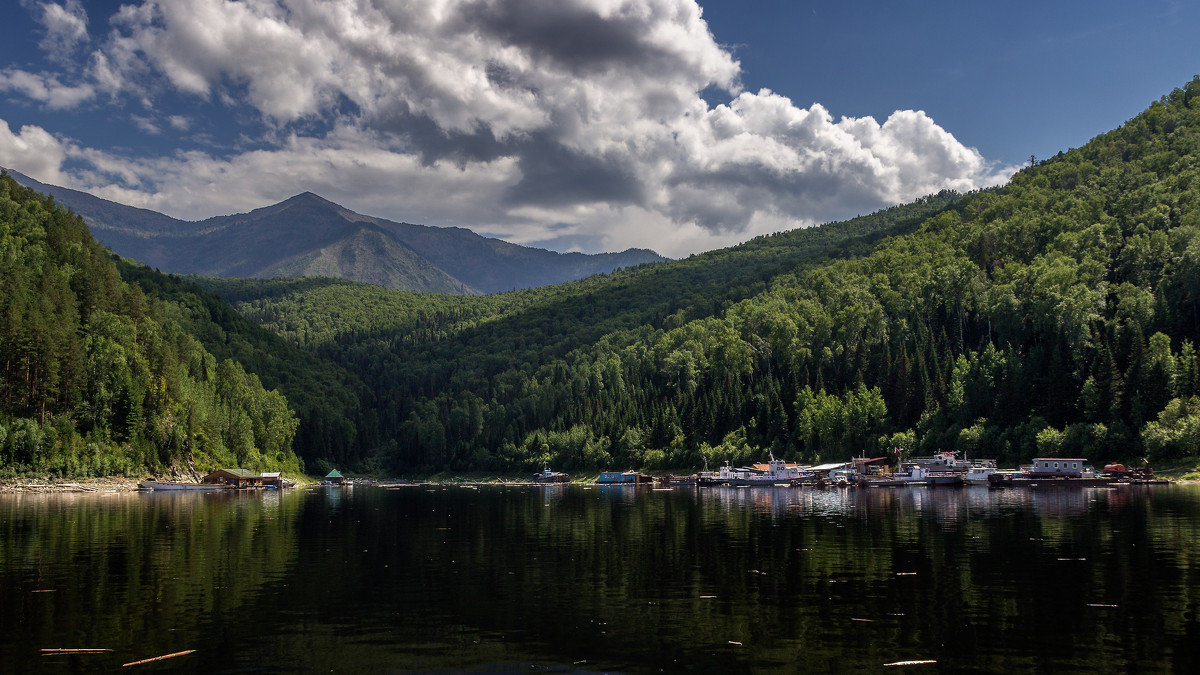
(1056, 316)
(98, 378)
(422, 355)
(329, 401)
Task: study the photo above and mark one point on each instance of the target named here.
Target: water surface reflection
(604, 578)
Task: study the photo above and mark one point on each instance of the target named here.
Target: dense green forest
(98, 378)
(444, 372)
(1058, 315)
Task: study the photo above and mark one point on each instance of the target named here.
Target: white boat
(843, 477)
(942, 461)
(774, 472)
(548, 476)
(979, 474)
(915, 475)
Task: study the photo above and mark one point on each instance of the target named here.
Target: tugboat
(548, 476)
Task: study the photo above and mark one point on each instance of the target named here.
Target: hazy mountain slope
(104, 217)
(371, 257)
(494, 265)
(310, 235)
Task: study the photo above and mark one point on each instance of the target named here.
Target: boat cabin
(942, 461)
(1068, 467)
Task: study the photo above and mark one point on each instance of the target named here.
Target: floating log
(51, 651)
(158, 658)
(910, 663)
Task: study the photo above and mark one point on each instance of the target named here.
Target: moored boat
(548, 476)
(978, 473)
(944, 479)
(941, 462)
(1052, 472)
(915, 475)
(882, 481)
(774, 472)
(671, 480)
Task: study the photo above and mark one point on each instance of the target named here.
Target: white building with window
(1071, 467)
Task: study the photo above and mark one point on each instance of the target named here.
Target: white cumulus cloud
(65, 28)
(45, 88)
(539, 120)
(32, 151)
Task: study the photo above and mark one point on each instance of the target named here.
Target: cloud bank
(569, 123)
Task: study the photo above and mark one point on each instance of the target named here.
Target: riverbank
(124, 484)
(46, 485)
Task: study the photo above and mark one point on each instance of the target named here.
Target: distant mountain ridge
(308, 235)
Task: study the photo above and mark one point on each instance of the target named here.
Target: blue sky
(570, 124)
(1008, 78)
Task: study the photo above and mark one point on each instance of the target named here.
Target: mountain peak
(308, 198)
(308, 202)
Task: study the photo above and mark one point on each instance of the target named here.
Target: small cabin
(1068, 467)
(335, 477)
(235, 477)
(274, 478)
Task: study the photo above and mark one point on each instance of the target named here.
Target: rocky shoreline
(107, 484)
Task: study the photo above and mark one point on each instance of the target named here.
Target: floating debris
(1096, 604)
(73, 650)
(733, 642)
(906, 574)
(923, 662)
(1072, 559)
(707, 597)
(864, 620)
(157, 658)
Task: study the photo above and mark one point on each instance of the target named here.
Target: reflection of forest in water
(623, 578)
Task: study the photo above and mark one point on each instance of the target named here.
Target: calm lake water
(593, 579)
